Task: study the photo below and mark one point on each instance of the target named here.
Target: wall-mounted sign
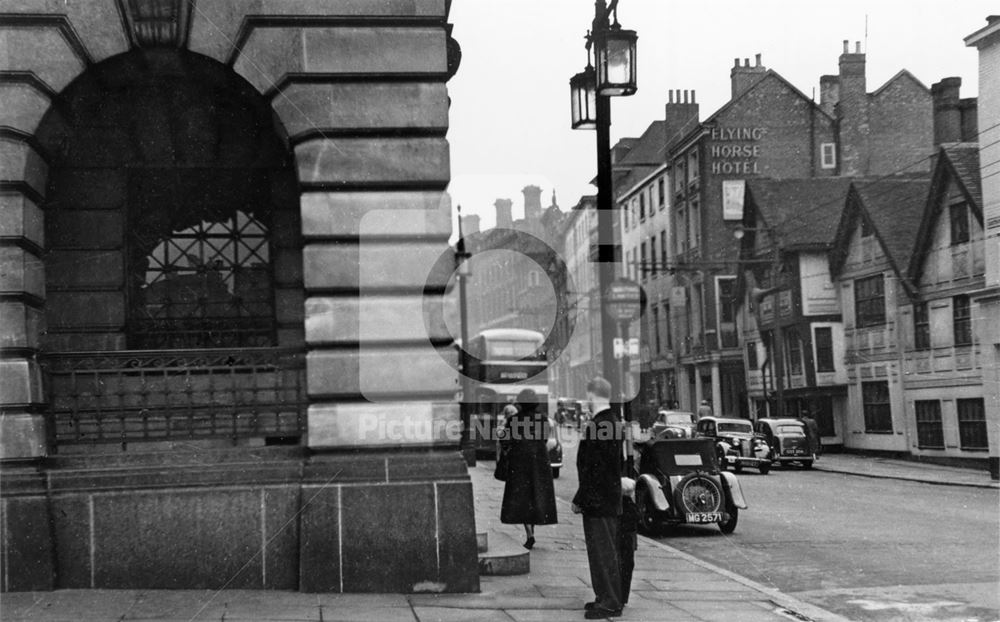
(734, 151)
(733, 191)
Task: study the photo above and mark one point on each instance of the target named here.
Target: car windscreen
(740, 428)
(677, 418)
(791, 430)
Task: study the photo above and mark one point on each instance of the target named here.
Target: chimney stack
(680, 110)
(829, 93)
(504, 218)
(954, 118)
(532, 203)
(853, 112)
(746, 76)
(470, 225)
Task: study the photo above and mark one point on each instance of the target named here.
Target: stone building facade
(220, 221)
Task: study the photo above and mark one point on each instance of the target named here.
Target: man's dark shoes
(599, 613)
(530, 542)
(590, 605)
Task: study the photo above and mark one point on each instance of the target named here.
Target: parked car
(736, 444)
(673, 424)
(680, 482)
(788, 440)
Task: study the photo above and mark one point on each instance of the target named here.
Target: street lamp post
(614, 75)
(462, 255)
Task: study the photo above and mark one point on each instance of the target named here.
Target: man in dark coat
(812, 433)
(599, 499)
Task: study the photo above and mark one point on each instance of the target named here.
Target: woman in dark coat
(529, 496)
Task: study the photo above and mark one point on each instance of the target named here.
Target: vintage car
(736, 444)
(673, 424)
(788, 441)
(680, 482)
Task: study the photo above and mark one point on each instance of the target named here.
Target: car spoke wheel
(697, 493)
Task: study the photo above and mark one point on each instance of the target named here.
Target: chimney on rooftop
(504, 218)
(852, 111)
(745, 76)
(532, 203)
(954, 118)
(681, 108)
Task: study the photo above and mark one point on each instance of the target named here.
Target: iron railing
(173, 395)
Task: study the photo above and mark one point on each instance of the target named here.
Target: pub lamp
(583, 99)
(614, 51)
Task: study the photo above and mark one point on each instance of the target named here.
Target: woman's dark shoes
(530, 542)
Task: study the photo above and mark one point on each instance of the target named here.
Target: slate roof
(801, 212)
(895, 207)
(964, 161)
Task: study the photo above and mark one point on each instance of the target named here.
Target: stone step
(505, 557)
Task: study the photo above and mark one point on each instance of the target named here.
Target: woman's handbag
(502, 470)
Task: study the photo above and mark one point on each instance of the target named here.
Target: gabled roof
(959, 163)
(892, 206)
(801, 213)
(900, 75)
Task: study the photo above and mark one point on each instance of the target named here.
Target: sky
(510, 97)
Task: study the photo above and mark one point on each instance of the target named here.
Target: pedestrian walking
(705, 410)
(599, 500)
(812, 433)
(529, 496)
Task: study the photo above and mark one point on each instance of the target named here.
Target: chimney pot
(736, 62)
(670, 96)
(685, 96)
(758, 59)
(692, 96)
(847, 46)
(746, 62)
(857, 47)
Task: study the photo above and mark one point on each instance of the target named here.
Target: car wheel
(807, 464)
(555, 472)
(729, 526)
(644, 508)
(765, 469)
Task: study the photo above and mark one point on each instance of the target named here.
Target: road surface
(868, 549)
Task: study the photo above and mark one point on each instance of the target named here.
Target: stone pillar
(699, 393)
(365, 106)
(717, 391)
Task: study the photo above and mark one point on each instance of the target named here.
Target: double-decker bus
(502, 363)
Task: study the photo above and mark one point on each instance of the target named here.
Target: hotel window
(877, 408)
(959, 214)
(794, 344)
(693, 166)
(663, 249)
(642, 206)
(680, 229)
(930, 433)
(824, 349)
(694, 221)
(962, 320)
(679, 179)
(869, 301)
(828, 155)
(661, 195)
(625, 220)
(652, 255)
(635, 216)
(629, 268)
(752, 362)
(972, 424)
(642, 259)
(921, 327)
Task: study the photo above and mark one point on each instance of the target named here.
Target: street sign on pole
(620, 349)
(623, 300)
(633, 347)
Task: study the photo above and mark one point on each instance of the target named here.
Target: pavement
(668, 584)
(906, 470)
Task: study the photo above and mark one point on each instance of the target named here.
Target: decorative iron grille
(204, 286)
(142, 396)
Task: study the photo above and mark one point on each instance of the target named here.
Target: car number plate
(704, 517)
(751, 462)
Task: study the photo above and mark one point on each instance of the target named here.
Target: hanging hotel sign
(735, 150)
(733, 191)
